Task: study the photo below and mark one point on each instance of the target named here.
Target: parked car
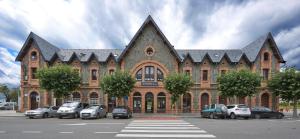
(71, 109)
(121, 112)
(95, 111)
(238, 110)
(8, 105)
(264, 112)
(42, 112)
(214, 111)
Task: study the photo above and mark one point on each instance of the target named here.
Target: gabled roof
(252, 50)
(149, 20)
(47, 49)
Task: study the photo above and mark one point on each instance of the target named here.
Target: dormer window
(266, 56)
(111, 71)
(33, 56)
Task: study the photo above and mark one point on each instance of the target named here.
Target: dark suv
(122, 112)
(214, 111)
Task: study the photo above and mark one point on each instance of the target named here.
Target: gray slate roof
(234, 55)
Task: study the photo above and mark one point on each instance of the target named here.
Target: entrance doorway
(161, 103)
(204, 100)
(265, 100)
(137, 105)
(33, 100)
(149, 103)
(186, 103)
(111, 103)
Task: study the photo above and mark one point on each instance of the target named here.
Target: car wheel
(128, 116)
(257, 116)
(114, 117)
(98, 116)
(30, 117)
(232, 116)
(45, 115)
(105, 116)
(246, 118)
(211, 116)
(59, 117)
(279, 116)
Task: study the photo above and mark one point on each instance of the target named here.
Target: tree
(238, 83)
(286, 84)
(177, 84)
(119, 84)
(61, 80)
(14, 94)
(5, 90)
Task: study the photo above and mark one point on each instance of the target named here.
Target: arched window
(33, 56)
(161, 102)
(76, 96)
(266, 56)
(160, 75)
(94, 74)
(111, 71)
(137, 102)
(138, 75)
(94, 99)
(149, 73)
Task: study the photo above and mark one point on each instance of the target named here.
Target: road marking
(2, 132)
(165, 131)
(32, 132)
(298, 120)
(167, 135)
(66, 132)
(158, 121)
(160, 125)
(106, 132)
(139, 127)
(93, 124)
(75, 124)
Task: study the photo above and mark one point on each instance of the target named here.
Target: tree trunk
(250, 102)
(295, 108)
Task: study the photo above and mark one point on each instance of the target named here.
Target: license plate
(119, 114)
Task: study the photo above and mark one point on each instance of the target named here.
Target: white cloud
(9, 67)
(234, 26)
(288, 38)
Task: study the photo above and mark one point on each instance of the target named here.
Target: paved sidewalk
(10, 113)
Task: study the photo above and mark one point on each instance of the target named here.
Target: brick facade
(149, 57)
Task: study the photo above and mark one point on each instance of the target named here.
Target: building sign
(149, 83)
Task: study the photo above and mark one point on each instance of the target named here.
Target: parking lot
(22, 127)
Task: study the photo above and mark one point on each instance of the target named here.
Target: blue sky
(187, 24)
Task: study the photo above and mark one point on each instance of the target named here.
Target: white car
(238, 110)
(95, 111)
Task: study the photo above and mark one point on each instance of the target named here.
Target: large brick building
(149, 57)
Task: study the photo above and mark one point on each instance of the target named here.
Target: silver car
(42, 112)
(95, 111)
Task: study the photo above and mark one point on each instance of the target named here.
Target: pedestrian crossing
(162, 129)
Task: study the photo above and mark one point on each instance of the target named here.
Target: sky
(187, 24)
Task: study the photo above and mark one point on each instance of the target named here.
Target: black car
(121, 112)
(264, 112)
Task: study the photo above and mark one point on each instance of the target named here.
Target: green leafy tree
(5, 90)
(14, 94)
(61, 80)
(119, 84)
(286, 84)
(238, 83)
(177, 84)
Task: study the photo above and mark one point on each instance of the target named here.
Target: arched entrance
(111, 103)
(33, 100)
(94, 98)
(149, 103)
(186, 103)
(265, 100)
(161, 102)
(241, 100)
(137, 102)
(76, 96)
(204, 100)
(222, 100)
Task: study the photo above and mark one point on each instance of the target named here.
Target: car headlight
(72, 111)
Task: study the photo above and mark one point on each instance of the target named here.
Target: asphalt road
(53, 128)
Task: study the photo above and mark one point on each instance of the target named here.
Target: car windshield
(40, 109)
(73, 104)
(266, 109)
(93, 107)
(119, 110)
